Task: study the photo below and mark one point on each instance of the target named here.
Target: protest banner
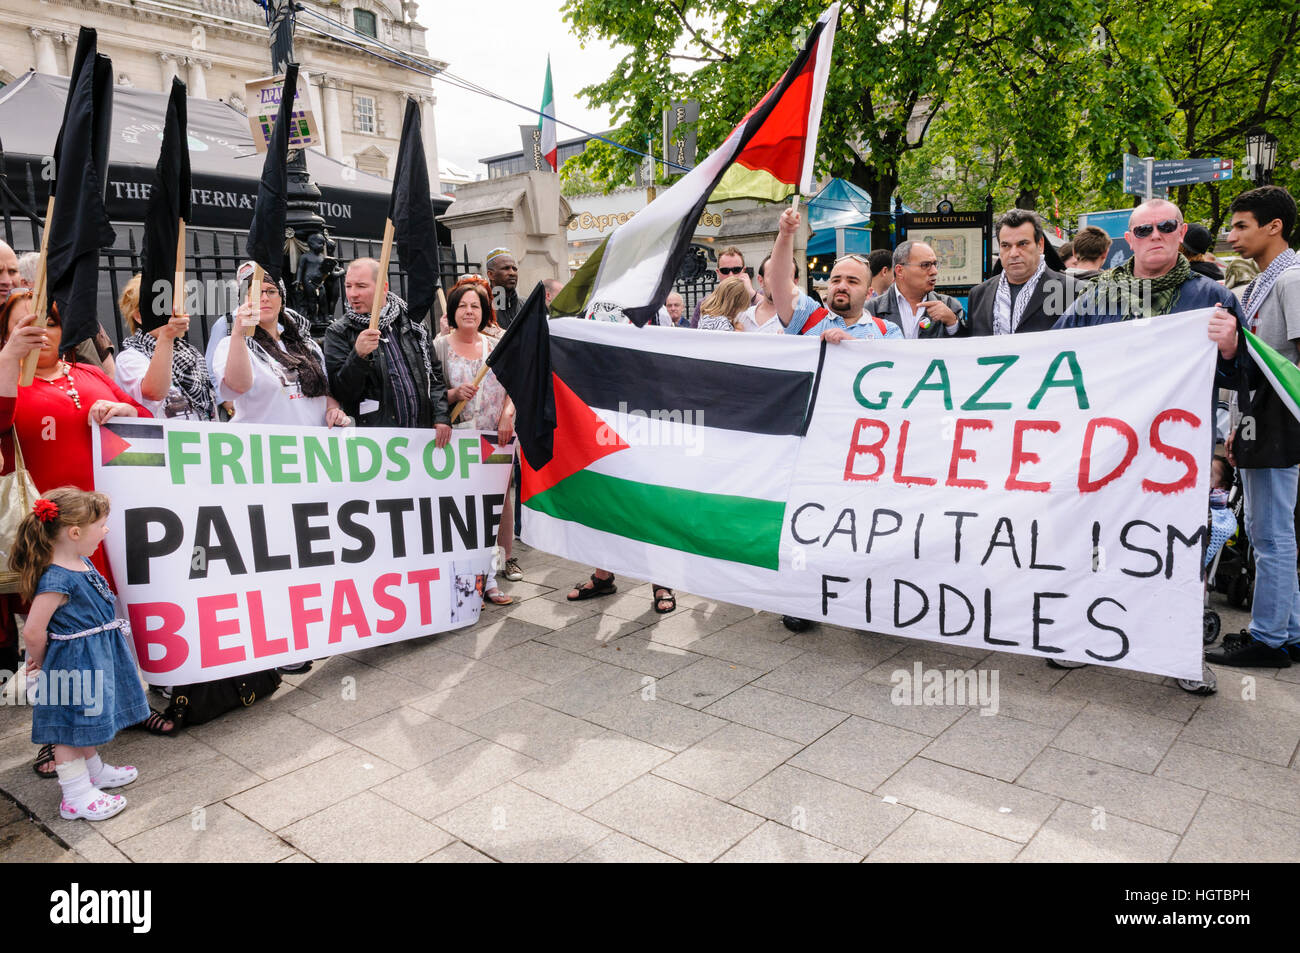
(1044, 494)
(241, 548)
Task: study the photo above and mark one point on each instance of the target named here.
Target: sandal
(43, 757)
(497, 597)
(668, 598)
(598, 587)
(154, 724)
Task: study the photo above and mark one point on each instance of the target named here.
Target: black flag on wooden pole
(410, 209)
(266, 233)
(169, 204)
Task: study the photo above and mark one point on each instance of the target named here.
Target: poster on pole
(263, 99)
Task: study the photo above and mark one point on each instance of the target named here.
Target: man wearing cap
(503, 275)
(1196, 247)
(389, 376)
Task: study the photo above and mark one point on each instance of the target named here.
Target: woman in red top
(52, 417)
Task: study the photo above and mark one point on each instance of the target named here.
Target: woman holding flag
(159, 368)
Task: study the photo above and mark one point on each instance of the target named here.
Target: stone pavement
(599, 731)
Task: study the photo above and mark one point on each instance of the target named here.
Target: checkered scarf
(189, 370)
(1257, 291)
(1006, 314)
(406, 396)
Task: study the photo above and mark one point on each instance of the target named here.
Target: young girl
(88, 687)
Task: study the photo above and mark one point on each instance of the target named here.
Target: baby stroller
(1222, 527)
(1232, 571)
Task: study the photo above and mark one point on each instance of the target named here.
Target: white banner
(241, 548)
(1044, 494)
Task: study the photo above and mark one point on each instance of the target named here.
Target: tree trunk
(1027, 199)
(881, 188)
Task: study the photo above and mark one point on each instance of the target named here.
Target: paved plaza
(600, 731)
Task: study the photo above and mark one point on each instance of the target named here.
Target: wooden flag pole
(381, 285)
(460, 405)
(255, 298)
(39, 299)
(178, 288)
(442, 303)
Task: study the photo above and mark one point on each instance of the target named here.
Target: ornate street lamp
(1261, 153)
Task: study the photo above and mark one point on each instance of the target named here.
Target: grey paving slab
(775, 843)
(458, 853)
(478, 696)
(365, 829)
(970, 799)
(407, 737)
(1156, 802)
(929, 655)
(1244, 728)
(1025, 671)
(777, 714)
(683, 627)
(1119, 736)
(746, 650)
(1257, 686)
(270, 745)
(995, 745)
(496, 635)
(541, 733)
(860, 753)
(620, 849)
(642, 655)
(1078, 834)
(156, 757)
(1234, 776)
(658, 721)
(542, 662)
(22, 842)
(674, 819)
(589, 634)
(1103, 686)
(593, 769)
(439, 786)
(880, 702)
(1227, 830)
(435, 668)
(291, 797)
(704, 682)
(811, 676)
(151, 803)
(359, 693)
(864, 648)
(590, 689)
(727, 761)
(830, 811)
(925, 838)
(546, 614)
(225, 837)
(296, 858)
(1025, 702)
(764, 625)
(510, 823)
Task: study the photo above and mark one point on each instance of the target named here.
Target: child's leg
(105, 776)
(80, 796)
(66, 754)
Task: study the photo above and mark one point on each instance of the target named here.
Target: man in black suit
(1027, 295)
(912, 303)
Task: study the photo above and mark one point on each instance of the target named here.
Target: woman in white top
(721, 310)
(161, 369)
(276, 375)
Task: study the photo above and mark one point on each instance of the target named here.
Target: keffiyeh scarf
(406, 393)
(1257, 291)
(189, 371)
(1006, 314)
(1135, 297)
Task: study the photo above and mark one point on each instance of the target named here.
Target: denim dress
(89, 687)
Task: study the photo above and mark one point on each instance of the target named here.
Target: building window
(366, 114)
(363, 21)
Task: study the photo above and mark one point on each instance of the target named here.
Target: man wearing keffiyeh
(388, 377)
(1027, 295)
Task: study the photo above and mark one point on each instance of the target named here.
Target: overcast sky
(503, 45)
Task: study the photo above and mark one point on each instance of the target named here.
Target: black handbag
(195, 704)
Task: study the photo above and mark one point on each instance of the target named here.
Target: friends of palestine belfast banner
(1048, 499)
(241, 548)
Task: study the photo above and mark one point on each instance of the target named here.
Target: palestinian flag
(546, 122)
(670, 458)
(768, 155)
(1282, 375)
(491, 450)
(133, 444)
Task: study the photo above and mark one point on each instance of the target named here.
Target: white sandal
(100, 808)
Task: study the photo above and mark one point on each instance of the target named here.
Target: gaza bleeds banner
(241, 548)
(1043, 494)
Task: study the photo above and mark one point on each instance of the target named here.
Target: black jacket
(885, 307)
(1051, 298)
(354, 379)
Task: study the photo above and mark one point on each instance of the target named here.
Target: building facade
(216, 46)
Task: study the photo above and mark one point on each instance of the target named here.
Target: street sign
(1135, 175)
(1169, 173)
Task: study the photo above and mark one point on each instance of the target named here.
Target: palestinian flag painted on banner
(768, 155)
(1282, 375)
(640, 479)
(123, 444)
(546, 122)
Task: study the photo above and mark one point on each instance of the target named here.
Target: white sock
(94, 767)
(74, 779)
(104, 776)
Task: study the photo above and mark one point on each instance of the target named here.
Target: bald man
(9, 279)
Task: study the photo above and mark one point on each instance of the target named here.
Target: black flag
(521, 361)
(79, 226)
(411, 211)
(266, 234)
(169, 202)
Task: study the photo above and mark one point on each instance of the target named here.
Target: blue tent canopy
(840, 205)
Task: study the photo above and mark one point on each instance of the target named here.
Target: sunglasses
(1167, 227)
(858, 258)
(731, 271)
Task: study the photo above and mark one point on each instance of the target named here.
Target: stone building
(216, 46)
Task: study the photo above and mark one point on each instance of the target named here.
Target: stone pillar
(170, 67)
(197, 84)
(46, 60)
(333, 122)
(430, 131)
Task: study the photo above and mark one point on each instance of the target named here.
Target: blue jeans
(1270, 523)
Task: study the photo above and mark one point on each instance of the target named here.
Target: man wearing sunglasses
(1027, 295)
(731, 264)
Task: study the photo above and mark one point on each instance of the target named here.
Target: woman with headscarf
(161, 369)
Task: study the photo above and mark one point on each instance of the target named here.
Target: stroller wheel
(1212, 627)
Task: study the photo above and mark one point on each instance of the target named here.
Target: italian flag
(546, 122)
(1282, 375)
(639, 479)
(769, 155)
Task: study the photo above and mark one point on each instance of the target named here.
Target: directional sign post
(1147, 176)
